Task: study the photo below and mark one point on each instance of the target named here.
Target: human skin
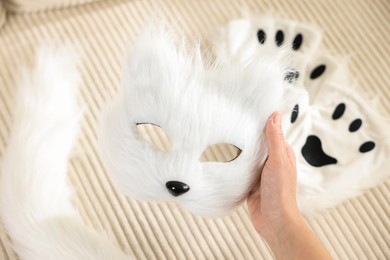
(272, 203)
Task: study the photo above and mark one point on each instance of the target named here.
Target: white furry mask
(196, 106)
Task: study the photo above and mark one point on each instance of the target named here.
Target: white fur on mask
(197, 105)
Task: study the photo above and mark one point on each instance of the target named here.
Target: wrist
(292, 238)
(283, 230)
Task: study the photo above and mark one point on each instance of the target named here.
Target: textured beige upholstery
(2, 14)
(357, 229)
(20, 6)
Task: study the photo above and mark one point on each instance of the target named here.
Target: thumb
(275, 138)
(291, 155)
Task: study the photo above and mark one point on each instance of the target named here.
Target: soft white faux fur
(35, 201)
(163, 84)
(197, 105)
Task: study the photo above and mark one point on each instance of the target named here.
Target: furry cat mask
(196, 105)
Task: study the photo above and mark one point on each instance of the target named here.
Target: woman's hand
(274, 198)
(272, 204)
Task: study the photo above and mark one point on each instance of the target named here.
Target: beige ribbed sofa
(357, 229)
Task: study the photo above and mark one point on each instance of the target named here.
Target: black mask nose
(177, 188)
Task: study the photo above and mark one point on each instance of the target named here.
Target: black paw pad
(291, 76)
(312, 150)
(294, 114)
(297, 42)
(339, 111)
(318, 71)
(366, 147)
(355, 125)
(261, 36)
(314, 154)
(279, 38)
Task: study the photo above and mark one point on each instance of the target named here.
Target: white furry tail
(35, 203)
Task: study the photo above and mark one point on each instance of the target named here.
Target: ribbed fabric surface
(21, 6)
(2, 14)
(357, 229)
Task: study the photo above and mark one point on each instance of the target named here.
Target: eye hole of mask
(154, 135)
(220, 152)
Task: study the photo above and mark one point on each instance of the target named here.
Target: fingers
(275, 138)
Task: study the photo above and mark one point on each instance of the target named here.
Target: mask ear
(157, 60)
(257, 85)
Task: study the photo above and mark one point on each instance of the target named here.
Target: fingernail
(276, 119)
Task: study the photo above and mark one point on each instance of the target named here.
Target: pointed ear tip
(156, 35)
